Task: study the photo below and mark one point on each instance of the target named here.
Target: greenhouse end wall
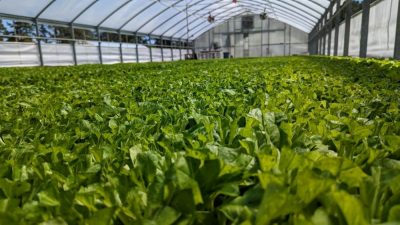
(249, 36)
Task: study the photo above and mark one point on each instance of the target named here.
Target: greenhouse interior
(192, 112)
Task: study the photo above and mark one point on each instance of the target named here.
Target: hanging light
(234, 1)
(211, 18)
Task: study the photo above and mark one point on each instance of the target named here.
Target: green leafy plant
(295, 140)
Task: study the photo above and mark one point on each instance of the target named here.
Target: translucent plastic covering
(167, 18)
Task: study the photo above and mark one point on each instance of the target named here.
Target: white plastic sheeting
(27, 54)
(110, 52)
(57, 54)
(144, 53)
(267, 38)
(342, 28)
(382, 29)
(129, 53)
(19, 54)
(167, 54)
(355, 35)
(146, 16)
(87, 53)
(176, 54)
(156, 54)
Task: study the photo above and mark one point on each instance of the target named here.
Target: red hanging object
(234, 1)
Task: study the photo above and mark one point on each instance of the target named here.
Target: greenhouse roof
(166, 18)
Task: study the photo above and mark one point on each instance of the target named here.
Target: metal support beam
(284, 40)
(136, 15)
(396, 54)
(329, 33)
(157, 15)
(180, 49)
(137, 48)
(44, 9)
(324, 37)
(347, 28)
(151, 54)
(112, 13)
(83, 11)
(162, 50)
(364, 28)
(337, 25)
(100, 52)
(172, 51)
(120, 48)
(39, 44)
(73, 45)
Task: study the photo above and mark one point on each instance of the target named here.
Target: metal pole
(120, 48)
(337, 25)
(150, 51)
(172, 50)
(39, 40)
(347, 28)
(162, 50)
(262, 36)
(99, 40)
(73, 45)
(396, 54)
(269, 37)
(137, 50)
(364, 28)
(284, 40)
(180, 49)
(324, 37)
(329, 32)
(290, 40)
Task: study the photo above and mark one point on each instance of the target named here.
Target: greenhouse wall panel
(57, 54)
(129, 53)
(18, 54)
(144, 53)
(382, 29)
(341, 39)
(177, 55)
(87, 53)
(156, 54)
(167, 54)
(355, 35)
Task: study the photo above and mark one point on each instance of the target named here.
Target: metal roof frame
(300, 13)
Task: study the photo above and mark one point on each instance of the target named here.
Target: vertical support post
(120, 47)
(39, 40)
(172, 49)
(99, 40)
(396, 54)
(290, 40)
(262, 36)
(162, 49)
(137, 48)
(180, 49)
(73, 44)
(324, 38)
(337, 25)
(150, 50)
(284, 40)
(330, 32)
(364, 28)
(347, 28)
(269, 37)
